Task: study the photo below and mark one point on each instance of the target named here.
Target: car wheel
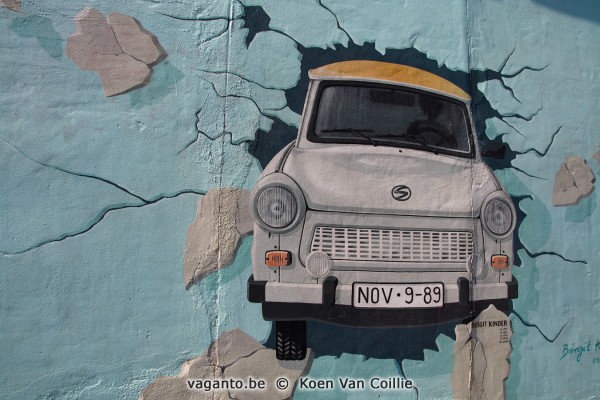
(291, 340)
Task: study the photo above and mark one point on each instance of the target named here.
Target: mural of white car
(382, 213)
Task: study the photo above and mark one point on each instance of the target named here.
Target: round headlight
(318, 264)
(498, 217)
(277, 207)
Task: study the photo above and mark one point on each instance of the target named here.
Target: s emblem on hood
(401, 193)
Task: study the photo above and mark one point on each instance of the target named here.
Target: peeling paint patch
(40, 28)
(118, 48)
(234, 356)
(14, 5)
(222, 220)
(573, 182)
(481, 356)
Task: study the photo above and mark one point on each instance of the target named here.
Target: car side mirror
(494, 150)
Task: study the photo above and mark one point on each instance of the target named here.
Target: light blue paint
(41, 29)
(432, 375)
(539, 361)
(164, 79)
(583, 210)
(100, 315)
(123, 316)
(213, 123)
(100, 322)
(320, 30)
(438, 29)
(270, 60)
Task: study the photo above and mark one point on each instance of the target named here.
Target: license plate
(396, 295)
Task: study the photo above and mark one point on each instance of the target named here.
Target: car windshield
(382, 115)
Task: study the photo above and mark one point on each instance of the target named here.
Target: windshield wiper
(355, 131)
(414, 139)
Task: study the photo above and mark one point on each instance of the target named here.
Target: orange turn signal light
(499, 261)
(278, 258)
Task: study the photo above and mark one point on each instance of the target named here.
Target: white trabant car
(382, 212)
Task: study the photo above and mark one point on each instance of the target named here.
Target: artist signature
(577, 351)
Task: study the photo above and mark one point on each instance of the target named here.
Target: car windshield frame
(409, 142)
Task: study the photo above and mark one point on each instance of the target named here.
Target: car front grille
(374, 244)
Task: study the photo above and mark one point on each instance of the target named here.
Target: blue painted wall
(97, 192)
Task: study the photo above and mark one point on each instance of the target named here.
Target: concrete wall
(112, 129)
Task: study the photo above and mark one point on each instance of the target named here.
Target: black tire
(290, 340)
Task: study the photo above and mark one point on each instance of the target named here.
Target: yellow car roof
(391, 73)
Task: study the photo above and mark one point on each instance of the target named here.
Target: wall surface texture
(117, 118)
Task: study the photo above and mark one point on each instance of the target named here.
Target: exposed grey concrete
(234, 355)
(122, 73)
(231, 346)
(92, 41)
(244, 222)
(12, 4)
(573, 182)
(481, 356)
(222, 220)
(177, 389)
(264, 365)
(135, 40)
(94, 46)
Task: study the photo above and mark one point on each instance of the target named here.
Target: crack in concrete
(99, 219)
(512, 126)
(532, 325)
(191, 142)
(224, 367)
(508, 57)
(237, 96)
(337, 21)
(491, 75)
(499, 76)
(471, 341)
(542, 153)
(285, 34)
(525, 68)
(200, 19)
(510, 90)
(551, 253)
(222, 168)
(264, 112)
(82, 175)
(527, 173)
(413, 39)
(205, 41)
(523, 117)
(239, 76)
(485, 368)
(401, 369)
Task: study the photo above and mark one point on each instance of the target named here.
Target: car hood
(360, 179)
